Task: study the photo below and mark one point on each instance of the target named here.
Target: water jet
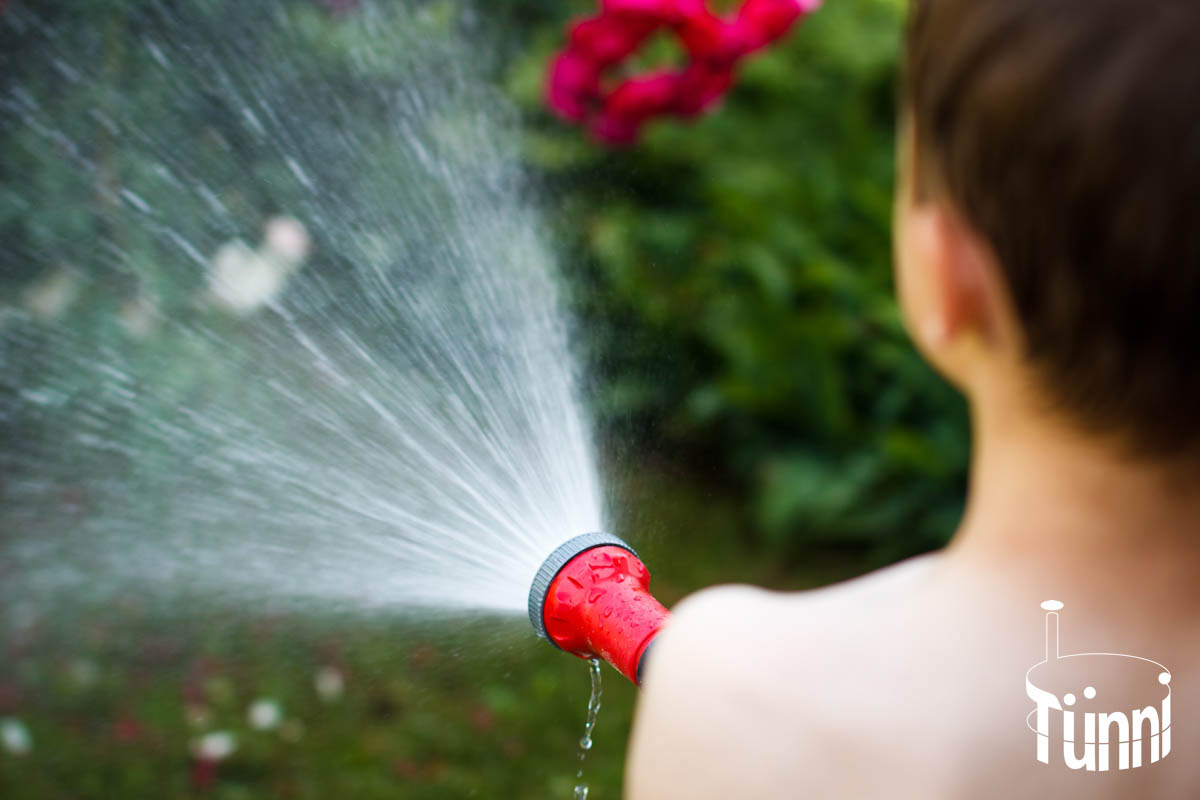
(292, 337)
(354, 389)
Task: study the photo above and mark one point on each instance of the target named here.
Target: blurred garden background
(761, 415)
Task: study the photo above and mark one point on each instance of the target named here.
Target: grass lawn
(115, 700)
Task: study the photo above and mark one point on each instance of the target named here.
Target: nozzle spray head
(591, 598)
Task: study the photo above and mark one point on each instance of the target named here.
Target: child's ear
(959, 262)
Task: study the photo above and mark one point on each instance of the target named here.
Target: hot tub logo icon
(1109, 710)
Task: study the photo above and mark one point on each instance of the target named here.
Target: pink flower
(632, 104)
(574, 82)
(708, 37)
(574, 86)
(659, 10)
(638, 98)
(615, 130)
(759, 22)
(609, 39)
(700, 88)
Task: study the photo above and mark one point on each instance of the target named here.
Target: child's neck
(1039, 486)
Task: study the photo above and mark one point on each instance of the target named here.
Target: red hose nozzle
(591, 598)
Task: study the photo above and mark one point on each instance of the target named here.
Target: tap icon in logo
(1108, 709)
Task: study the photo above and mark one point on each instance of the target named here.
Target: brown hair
(1067, 132)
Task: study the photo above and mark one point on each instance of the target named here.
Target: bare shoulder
(732, 687)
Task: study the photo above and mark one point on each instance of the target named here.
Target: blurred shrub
(734, 286)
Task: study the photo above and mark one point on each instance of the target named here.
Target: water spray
(591, 598)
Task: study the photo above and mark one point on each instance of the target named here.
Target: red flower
(761, 21)
(708, 37)
(638, 98)
(574, 86)
(661, 11)
(609, 39)
(632, 103)
(700, 88)
(615, 130)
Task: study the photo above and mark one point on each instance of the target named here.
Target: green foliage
(734, 282)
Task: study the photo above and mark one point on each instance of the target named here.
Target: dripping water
(585, 742)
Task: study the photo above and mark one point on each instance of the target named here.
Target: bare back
(910, 682)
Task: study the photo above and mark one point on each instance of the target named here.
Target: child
(1048, 264)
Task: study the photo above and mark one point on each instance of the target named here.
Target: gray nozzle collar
(554, 564)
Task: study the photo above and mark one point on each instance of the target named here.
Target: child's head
(1048, 217)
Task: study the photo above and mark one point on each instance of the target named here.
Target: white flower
(15, 737)
(264, 715)
(51, 295)
(242, 280)
(215, 746)
(286, 238)
(330, 683)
